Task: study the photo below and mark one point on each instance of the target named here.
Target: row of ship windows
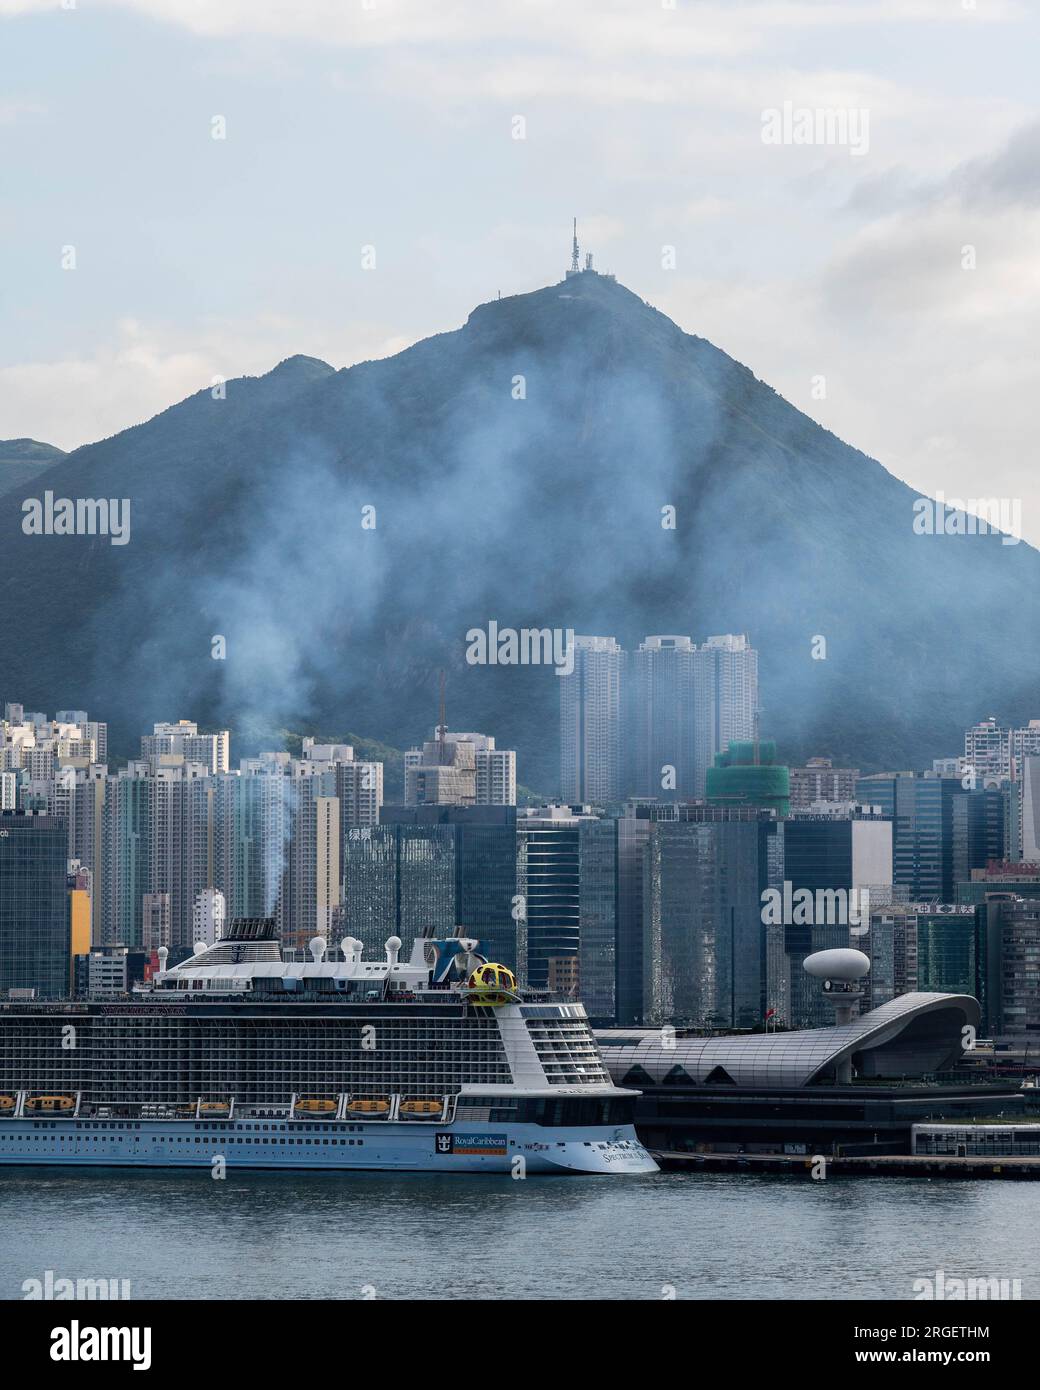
(147, 1059)
(317, 1029)
(276, 1047)
(208, 1073)
(129, 1066)
(178, 1139)
(265, 1029)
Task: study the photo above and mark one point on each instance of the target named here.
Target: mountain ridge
(541, 508)
(22, 461)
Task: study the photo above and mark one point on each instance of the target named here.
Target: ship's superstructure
(436, 1062)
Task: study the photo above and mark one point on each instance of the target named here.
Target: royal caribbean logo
(446, 1143)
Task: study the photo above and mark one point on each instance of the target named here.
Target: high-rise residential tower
(993, 752)
(725, 699)
(590, 723)
(660, 698)
(182, 741)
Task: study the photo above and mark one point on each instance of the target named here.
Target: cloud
(12, 111)
(1012, 177)
(594, 27)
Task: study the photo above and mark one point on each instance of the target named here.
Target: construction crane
(442, 725)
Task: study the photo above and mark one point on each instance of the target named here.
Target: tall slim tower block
(590, 723)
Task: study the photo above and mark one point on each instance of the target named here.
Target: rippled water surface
(184, 1235)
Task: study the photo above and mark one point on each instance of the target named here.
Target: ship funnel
(393, 948)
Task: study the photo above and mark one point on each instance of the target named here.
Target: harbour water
(687, 1236)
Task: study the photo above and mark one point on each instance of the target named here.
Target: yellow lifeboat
(417, 1109)
(371, 1108)
(7, 1104)
(51, 1105)
(318, 1108)
(215, 1107)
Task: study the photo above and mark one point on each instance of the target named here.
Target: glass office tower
(922, 813)
(397, 880)
(35, 929)
(483, 840)
(703, 944)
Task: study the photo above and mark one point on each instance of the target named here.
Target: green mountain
(518, 468)
(22, 461)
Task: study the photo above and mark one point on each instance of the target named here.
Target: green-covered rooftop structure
(747, 774)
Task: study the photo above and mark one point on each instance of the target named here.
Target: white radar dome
(842, 963)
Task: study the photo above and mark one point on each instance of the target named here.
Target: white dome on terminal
(842, 963)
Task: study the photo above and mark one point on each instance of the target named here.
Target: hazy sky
(391, 123)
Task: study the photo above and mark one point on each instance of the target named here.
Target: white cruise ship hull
(427, 1147)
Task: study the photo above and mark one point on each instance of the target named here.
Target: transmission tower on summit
(576, 266)
(575, 255)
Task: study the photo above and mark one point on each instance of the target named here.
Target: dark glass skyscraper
(946, 950)
(34, 910)
(978, 832)
(703, 945)
(483, 841)
(632, 835)
(397, 880)
(567, 879)
(922, 814)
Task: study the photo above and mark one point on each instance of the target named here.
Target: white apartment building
(182, 742)
(996, 752)
(209, 916)
(496, 777)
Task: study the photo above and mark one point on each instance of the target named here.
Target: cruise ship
(238, 1058)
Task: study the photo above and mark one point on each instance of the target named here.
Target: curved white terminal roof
(912, 1035)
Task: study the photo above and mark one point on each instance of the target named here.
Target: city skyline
(287, 836)
(519, 617)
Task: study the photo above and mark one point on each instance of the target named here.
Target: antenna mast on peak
(576, 266)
